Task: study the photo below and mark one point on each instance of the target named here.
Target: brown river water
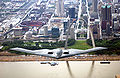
(72, 69)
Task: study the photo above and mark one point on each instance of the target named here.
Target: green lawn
(80, 44)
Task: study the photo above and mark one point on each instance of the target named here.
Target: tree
(112, 46)
(5, 48)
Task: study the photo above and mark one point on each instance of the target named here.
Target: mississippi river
(72, 69)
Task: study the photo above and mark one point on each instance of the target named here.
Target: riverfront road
(13, 58)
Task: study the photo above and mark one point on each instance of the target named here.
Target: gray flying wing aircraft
(58, 53)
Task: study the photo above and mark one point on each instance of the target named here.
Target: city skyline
(59, 38)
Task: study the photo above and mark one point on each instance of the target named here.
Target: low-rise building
(55, 32)
(17, 32)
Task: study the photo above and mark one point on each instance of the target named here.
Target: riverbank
(12, 57)
(75, 58)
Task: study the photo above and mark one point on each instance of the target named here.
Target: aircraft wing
(1, 47)
(43, 52)
(72, 52)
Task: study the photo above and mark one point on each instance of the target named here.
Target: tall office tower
(94, 13)
(106, 16)
(72, 12)
(45, 30)
(95, 5)
(60, 7)
(106, 13)
(106, 21)
(65, 25)
(55, 32)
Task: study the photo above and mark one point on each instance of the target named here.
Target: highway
(82, 29)
(19, 17)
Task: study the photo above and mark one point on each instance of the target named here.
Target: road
(20, 16)
(83, 29)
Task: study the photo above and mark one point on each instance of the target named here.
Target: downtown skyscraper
(106, 16)
(95, 5)
(60, 8)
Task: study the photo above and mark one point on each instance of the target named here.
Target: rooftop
(108, 6)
